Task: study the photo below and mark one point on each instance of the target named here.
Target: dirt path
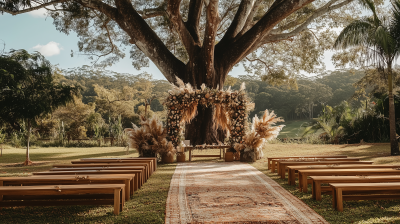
(231, 193)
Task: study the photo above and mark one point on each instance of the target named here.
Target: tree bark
(394, 146)
(28, 138)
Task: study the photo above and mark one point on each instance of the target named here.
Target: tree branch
(192, 24)
(326, 8)
(175, 17)
(209, 36)
(249, 21)
(239, 20)
(32, 8)
(154, 12)
(148, 41)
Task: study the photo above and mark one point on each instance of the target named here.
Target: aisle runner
(231, 193)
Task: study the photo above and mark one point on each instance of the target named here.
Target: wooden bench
(141, 168)
(149, 162)
(128, 180)
(138, 159)
(363, 191)
(146, 165)
(282, 165)
(317, 181)
(303, 174)
(50, 191)
(292, 170)
(270, 165)
(137, 178)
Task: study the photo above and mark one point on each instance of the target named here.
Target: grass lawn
(293, 129)
(148, 204)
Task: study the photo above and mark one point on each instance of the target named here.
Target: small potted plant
(167, 151)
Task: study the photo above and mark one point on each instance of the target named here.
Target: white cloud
(39, 13)
(50, 49)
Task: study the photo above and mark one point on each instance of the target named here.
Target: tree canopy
(27, 90)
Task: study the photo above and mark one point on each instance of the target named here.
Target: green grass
(148, 204)
(293, 129)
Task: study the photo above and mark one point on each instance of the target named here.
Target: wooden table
(303, 174)
(293, 169)
(317, 189)
(376, 191)
(153, 160)
(299, 157)
(282, 165)
(128, 180)
(116, 190)
(220, 147)
(146, 165)
(137, 178)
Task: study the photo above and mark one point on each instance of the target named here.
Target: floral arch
(231, 109)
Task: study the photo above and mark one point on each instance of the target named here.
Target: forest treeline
(111, 101)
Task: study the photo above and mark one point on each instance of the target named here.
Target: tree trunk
(394, 146)
(28, 138)
(200, 130)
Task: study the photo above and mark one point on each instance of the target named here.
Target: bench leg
(282, 170)
(273, 167)
(318, 194)
(305, 184)
(1, 196)
(127, 190)
(117, 201)
(339, 200)
(334, 198)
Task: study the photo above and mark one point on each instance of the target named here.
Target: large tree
(198, 41)
(27, 91)
(379, 39)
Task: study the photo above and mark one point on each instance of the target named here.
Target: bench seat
(117, 190)
(128, 180)
(363, 191)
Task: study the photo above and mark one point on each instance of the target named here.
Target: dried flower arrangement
(150, 138)
(261, 130)
(230, 109)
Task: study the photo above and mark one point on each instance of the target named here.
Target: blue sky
(34, 32)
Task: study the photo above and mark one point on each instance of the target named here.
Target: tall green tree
(380, 39)
(27, 90)
(199, 41)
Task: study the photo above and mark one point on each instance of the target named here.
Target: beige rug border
(176, 206)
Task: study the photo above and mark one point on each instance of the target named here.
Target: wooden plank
(146, 165)
(117, 190)
(138, 177)
(307, 156)
(294, 169)
(150, 161)
(282, 165)
(317, 189)
(206, 155)
(303, 174)
(141, 168)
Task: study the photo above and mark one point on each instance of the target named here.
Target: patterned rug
(231, 193)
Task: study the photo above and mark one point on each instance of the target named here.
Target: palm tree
(380, 37)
